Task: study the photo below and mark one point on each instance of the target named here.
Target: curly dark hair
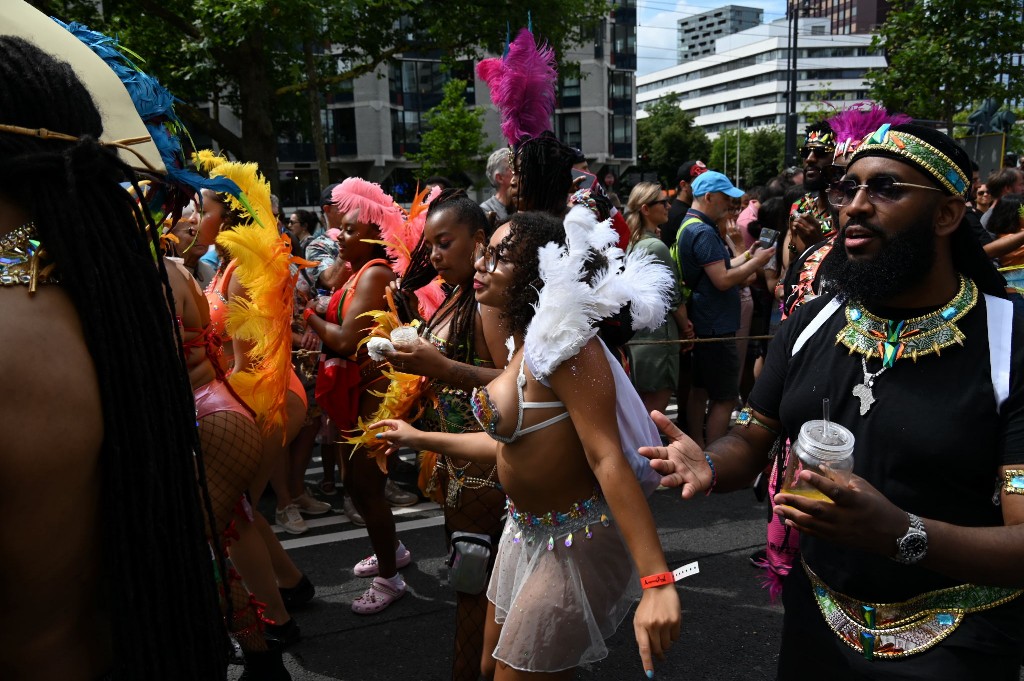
(528, 231)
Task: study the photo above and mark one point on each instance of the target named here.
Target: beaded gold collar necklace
(871, 336)
(23, 260)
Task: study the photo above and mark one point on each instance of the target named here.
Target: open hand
(681, 463)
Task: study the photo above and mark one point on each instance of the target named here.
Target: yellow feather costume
(263, 256)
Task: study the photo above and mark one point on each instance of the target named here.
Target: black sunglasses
(805, 152)
(882, 189)
(664, 202)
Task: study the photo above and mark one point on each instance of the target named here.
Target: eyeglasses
(983, 192)
(491, 256)
(663, 202)
(880, 189)
(805, 152)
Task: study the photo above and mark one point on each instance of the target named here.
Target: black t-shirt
(676, 213)
(932, 443)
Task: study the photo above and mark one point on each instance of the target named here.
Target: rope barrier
(686, 341)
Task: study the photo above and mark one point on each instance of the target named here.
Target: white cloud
(656, 27)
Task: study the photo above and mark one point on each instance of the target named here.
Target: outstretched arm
(735, 459)
(477, 447)
(587, 388)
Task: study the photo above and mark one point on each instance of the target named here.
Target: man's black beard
(823, 181)
(904, 260)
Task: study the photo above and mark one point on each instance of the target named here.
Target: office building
(744, 83)
(697, 34)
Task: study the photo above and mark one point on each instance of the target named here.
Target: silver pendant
(862, 391)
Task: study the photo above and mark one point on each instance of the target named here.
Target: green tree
(454, 141)
(249, 54)
(944, 55)
(760, 151)
(667, 138)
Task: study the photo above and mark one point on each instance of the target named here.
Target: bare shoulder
(53, 413)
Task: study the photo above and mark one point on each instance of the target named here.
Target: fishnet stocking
(232, 451)
(481, 511)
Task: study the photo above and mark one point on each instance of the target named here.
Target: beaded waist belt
(578, 519)
(893, 630)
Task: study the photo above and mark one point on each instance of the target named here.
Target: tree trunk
(316, 124)
(256, 100)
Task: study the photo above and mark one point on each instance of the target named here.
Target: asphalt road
(730, 630)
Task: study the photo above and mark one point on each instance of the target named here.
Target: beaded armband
(745, 417)
(1013, 481)
(714, 475)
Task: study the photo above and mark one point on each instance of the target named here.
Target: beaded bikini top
(23, 260)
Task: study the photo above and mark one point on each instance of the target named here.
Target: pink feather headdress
(522, 84)
(857, 122)
(375, 207)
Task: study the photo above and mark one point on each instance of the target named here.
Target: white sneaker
(309, 505)
(396, 496)
(291, 520)
(350, 511)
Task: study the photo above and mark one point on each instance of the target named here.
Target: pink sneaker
(379, 596)
(367, 567)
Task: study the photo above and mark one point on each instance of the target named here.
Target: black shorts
(716, 368)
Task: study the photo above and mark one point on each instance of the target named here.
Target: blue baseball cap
(708, 182)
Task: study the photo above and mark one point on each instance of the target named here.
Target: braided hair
(544, 168)
(156, 560)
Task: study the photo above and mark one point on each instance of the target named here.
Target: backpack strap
(1000, 338)
(816, 323)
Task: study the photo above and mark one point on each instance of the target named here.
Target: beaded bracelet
(714, 475)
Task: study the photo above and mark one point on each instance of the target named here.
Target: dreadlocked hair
(155, 556)
(527, 233)
(460, 305)
(544, 167)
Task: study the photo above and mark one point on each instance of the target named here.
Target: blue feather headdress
(155, 105)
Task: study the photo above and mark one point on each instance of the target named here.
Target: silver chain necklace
(862, 391)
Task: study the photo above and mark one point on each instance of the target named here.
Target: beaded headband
(825, 138)
(920, 153)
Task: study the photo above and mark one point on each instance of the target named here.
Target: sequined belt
(566, 527)
(893, 630)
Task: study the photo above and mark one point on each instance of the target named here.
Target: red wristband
(660, 579)
(307, 313)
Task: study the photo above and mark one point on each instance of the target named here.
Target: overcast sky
(656, 26)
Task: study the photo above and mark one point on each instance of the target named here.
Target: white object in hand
(404, 336)
(376, 347)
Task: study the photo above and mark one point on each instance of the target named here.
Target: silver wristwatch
(913, 545)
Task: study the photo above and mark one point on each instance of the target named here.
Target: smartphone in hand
(768, 237)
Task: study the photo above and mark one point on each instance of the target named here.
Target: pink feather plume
(374, 205)
(857, 122)
(522, 86)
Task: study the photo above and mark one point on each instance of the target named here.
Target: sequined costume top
(449, 409)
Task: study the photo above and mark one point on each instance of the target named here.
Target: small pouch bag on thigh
(468, 562)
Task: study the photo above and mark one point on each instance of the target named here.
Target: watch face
(914, 546)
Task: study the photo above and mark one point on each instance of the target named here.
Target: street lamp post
(794, 8)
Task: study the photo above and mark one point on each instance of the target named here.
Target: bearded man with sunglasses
(911, 570)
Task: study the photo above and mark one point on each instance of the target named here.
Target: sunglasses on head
(881, 189)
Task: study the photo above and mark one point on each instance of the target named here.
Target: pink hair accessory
(375, 207)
